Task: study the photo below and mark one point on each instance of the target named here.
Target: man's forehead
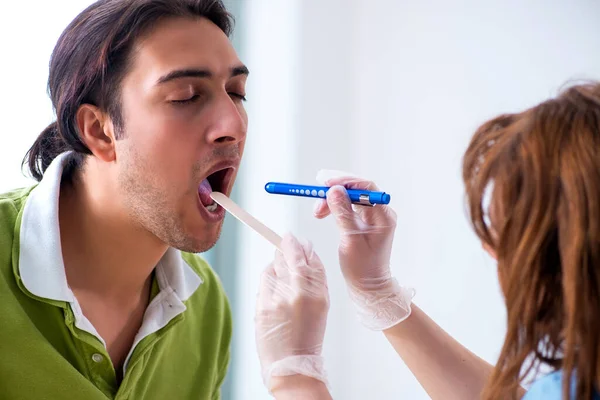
(183, 43)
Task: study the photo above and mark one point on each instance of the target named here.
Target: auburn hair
(532, 183)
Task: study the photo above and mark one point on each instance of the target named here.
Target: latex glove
(291, 313)
(366, 238)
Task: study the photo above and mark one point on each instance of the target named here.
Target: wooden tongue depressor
(247, 219)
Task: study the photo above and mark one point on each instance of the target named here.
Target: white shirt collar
(41, 264)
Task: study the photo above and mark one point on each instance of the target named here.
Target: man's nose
(228, 122)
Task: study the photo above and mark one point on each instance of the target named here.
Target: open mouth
(218, 181)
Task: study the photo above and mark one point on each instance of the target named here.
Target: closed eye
(186, 101)
(238, 96)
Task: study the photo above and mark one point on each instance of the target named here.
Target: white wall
(272, 105)
(28, 33)
(393, 89)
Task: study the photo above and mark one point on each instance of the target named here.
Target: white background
(388, 89)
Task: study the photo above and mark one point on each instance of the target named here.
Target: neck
(104, 251)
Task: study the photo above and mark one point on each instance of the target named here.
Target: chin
(199, 242)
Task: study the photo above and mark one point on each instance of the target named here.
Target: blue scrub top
(549, 388)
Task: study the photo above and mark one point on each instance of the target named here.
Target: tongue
(204, 191)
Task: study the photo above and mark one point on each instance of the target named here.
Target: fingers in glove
(268, 285)
(340, 206)
(280, 266)
(307, 273)
(379, 215)
(318, 276)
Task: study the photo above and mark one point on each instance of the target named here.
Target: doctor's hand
(291, 316)
(366, 238)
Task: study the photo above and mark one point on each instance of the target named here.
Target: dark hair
(90, 60)
(543, 169)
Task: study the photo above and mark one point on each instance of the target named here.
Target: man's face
(184, 131)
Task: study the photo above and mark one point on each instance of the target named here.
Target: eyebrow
(200, 73)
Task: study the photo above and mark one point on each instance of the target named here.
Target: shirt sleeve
(221, 378)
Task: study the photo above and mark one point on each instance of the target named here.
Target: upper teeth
(212, 207)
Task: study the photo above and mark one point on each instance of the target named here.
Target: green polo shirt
(50, 350)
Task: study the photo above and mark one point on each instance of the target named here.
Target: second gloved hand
(291, 313)
(366, 237)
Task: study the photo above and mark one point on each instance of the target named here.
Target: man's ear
(97, 132)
